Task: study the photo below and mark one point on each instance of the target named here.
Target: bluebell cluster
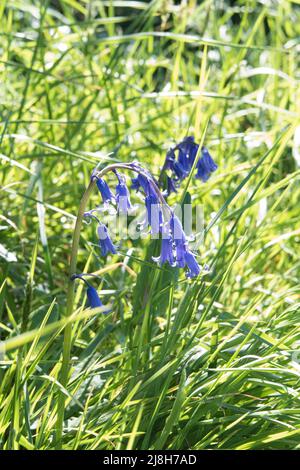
(180, 160)
(175, 249)
(159, 216)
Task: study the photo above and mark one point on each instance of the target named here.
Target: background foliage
(177, 364)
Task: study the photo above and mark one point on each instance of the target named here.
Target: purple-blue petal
(105, 243)
(187, 152)
(193, 267)
(205, 165)
(103, 187)
(180, 254)
(154, 213)
(166, 255)
(144, 183)
(208, 161)
(183, 159)
(171, 188)
(135, 184)
(122, 197)
(170, 160)
(179, 171)
(93, 297)
(177, 230)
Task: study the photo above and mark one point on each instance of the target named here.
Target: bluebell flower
(193, 267)
(187, 152)
(145, 184)
(166, 254)
(135, 184)
(106, 193)
(152, 201)
(105, 242)
(179, 170)
(184, 257)
(122, 195)
(170, 160)
(141, 181)
(179, 239)
(183, 159)
(180, 254)
(93, 297)
(205, 165)
(184, 153)
(177, 230)
(154, 213)
(181, 167)
(171, 188)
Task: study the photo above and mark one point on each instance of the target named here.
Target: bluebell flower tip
(93, 297)
(122, 196)
(105, 242)
(107, 195)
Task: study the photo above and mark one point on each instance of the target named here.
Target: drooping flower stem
(67, 341)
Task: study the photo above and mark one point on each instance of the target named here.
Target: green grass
(177, 364)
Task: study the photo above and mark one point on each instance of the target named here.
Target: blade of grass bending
(43, 234)
(29, 336)
(287, 133)
(174, 415)
(131, 441)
